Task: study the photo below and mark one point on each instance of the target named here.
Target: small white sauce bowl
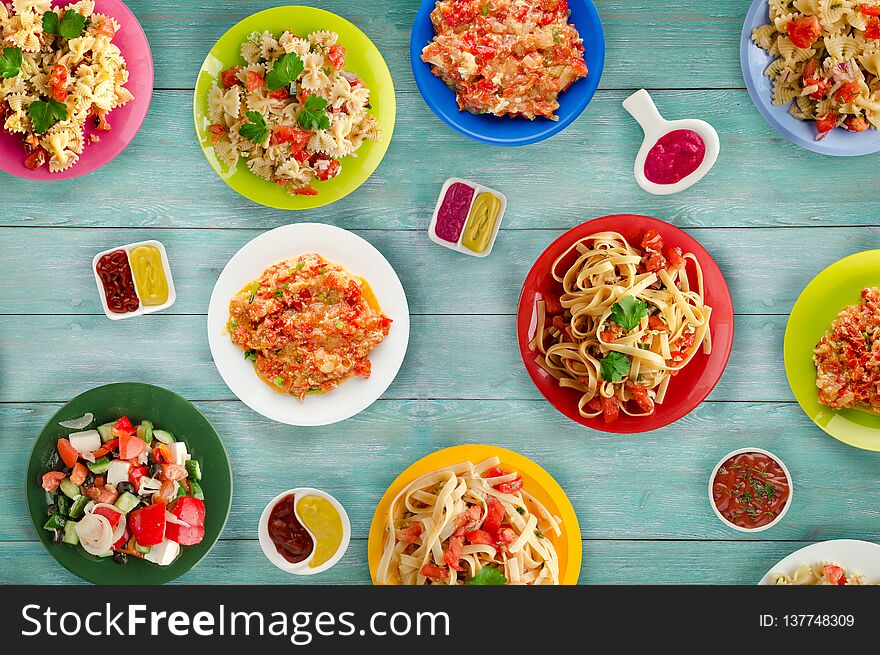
(787, 477)
(302, 568)
(641, 106)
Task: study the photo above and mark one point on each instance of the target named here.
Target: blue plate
(504, 130)
(755, 60)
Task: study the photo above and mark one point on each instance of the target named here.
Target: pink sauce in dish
(453, 212)
(676, 155)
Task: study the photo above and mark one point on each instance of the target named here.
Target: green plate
(819, 304)
(363, 59)
(167, 411)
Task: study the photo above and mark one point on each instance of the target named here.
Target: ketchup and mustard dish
(134, 279)
(467, 217)
(674, 155)
(304, 531)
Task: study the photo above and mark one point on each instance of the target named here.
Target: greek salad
(124, 490)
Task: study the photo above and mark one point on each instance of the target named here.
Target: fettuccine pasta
(469, 524)
(627, 321)
(820, 573)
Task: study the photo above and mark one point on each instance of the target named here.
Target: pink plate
(691, 386)
(125, 121)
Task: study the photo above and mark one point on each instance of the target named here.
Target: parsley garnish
(485, 8)
(254, 288)
(10, 62)
(250, 355)
(232, 325)
(614, 367)
(45, 114)
(628, 312)
(488, 576)
(278, 293)
(284, 72)
(279, 381)
(313, 117)
(300, 265)
(256, 130)
(70, 26)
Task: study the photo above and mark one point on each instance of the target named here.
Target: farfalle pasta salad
(59, 69)
(828, 64)
(291, 111)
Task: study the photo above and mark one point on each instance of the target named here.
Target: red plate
(691, 386)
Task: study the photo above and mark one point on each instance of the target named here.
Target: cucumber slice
(195, 490)
(70, 536)
(127, 502)
(99, 465)
(163, 436)
(194, 469)
(69, 489)
(142, 549)
(145, 431)
(78, 507)
(106, 432)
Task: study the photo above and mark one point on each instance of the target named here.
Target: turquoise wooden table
(641, 500)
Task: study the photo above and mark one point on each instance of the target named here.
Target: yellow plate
(536, 481)
(818, 305)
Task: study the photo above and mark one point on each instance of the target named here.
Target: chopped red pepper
(148, 524)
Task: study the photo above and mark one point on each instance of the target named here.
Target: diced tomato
(434, 572)
(229, 77)
(826, 122)
(336, 55)
(640, 395)
(655, 262)
(78, 474)
(173, 472)
(835, 574)
(36, 159)
(165, 494)
(856, 124)
(610, 408)
(288, 134)
(99, 119)
(135, 473)
(131, 446)
(305, 191)
(656, 323)
(58, 83)
(330, 171)
(803, 32)
(106, 448)
(494, 472)
(595, 403)
(480, 537)
(823, 86)
(301, 155)
(578, 66)
(872, 30)
(675, 258)
(123, 426)
(67, 452)
(363, 368)
(148, 524)
(280, 94)
(869, 10)
(506, 535)
(162, 454)
(192, 512)
(652, 241)
(255, 81)
(411, 533)
(52, 480)
(848, 92)
(453, 553)
(217, 131)
(101, 493)
(809, 70)
(510, 487)
(494, 515)
(552, 305)
(110, 514)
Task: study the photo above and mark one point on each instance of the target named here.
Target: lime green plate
(168, 411)
(363, 59)
(818, 305)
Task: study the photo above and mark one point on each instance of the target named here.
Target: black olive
(122, 487)
(120, 558)
(51, 509)
(155, 470)
(90, 479)
(57, 537)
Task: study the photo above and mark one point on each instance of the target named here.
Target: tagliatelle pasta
(291, 111)
(626, 322)
(469, 524)
(828, 65)
(820, 573)
(59, 68)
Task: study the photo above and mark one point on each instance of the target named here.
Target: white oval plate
(860, 557)
(359, 258)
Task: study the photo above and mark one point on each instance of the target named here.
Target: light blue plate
(755, 60)
(503, 130)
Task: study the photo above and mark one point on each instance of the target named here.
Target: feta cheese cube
(163, 554)
(85, 442)
(118, 472)
(178, 451)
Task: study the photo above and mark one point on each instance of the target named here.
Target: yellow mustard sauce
(149, 275)
(481, 222)
(320, 518)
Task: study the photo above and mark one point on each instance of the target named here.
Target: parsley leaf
(628, 312)
(10, 62)
(45, 114)
(284, 72)
(313, 116)
(488, 576)
(256, 130)
(614, 367)
(70, 26)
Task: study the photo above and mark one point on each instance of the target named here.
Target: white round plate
(359, 258)
(861, 557)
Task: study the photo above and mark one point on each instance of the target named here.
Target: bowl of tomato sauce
(750, 490)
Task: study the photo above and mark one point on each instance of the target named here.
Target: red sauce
(292, 541)
(115, 273)
(675, 156)
(454, 211)
(750, 490)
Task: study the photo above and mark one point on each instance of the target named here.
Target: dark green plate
(167, 411)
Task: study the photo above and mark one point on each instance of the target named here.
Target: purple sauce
(453, 212)
(676, 155)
